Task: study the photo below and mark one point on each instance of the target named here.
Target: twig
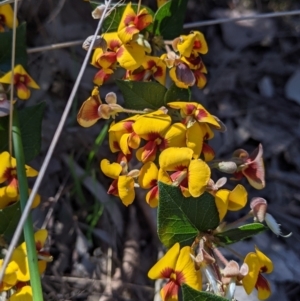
(250, 17)
(52, 146)
(55, 46)
(8, 1)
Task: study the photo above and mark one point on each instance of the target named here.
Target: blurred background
(102, 250)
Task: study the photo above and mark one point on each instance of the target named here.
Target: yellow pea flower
(22, 81)
(131, 23)
(178, 267)
(192, 176)
(20, 256)
(258, 263)
(230, 200)
(8, 174)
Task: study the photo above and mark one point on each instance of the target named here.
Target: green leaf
(190, 294)
(142, 95)
(169, 19)
(30, 124)
(180, 219)
(6, 48)
(177, 94)
(234, 235)
(111, 22)
(9, 218)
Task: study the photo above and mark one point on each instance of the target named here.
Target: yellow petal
(148, 175)
(250, 279)
(10, 275)
(152, 197)
(159, 124)
(265, 262)
(111, 170)
(194, 139)
(23, 92)
(175, 158)
(164, 177)
(24, 294)
(40, 238)
(5, 200)
(165, 264)
(175, 136)
(221, 199)
(31, 172)
(19, 257)
(198, 177)
(186, 266)
(130, 56)
(126, 189)
(237, 198)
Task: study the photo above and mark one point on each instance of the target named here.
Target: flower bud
(98, 11)
(111, 98)
(259, 207)
(99, 43)
(227, 166)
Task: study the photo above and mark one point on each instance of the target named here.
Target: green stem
(35, 280)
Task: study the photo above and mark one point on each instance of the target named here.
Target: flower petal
(130, 56)
(186, 267)
(164, 267)
(88, 113)
(198, 177)
(175, 136)
(148, 175)
(152, 197)
(237, 198)
(126, 189)
(221, 200)
(266, 265)
(111, 170)
(175, 158)
(194, 139)
(250, 279)
(24, 294)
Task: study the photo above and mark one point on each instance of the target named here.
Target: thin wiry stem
(186, 26)
(250, 17)
(55, 46)
(13, 58)
(52, 146)
(8, 1)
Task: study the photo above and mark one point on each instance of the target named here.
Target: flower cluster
(170, 145)
(6, 17)
(16, 277)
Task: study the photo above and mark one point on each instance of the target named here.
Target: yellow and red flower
(129, 56)
(6, 17)
(131, 23)
(258, 264)
(250, 166)
(152, 67)
(8, 174)
(22, 81)
(122, 136)
(93, 109)
(160, 135)
(19, 256)
(192, 176)
(230, 200)
(192, 44)
(178, 267)
(123, 184)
